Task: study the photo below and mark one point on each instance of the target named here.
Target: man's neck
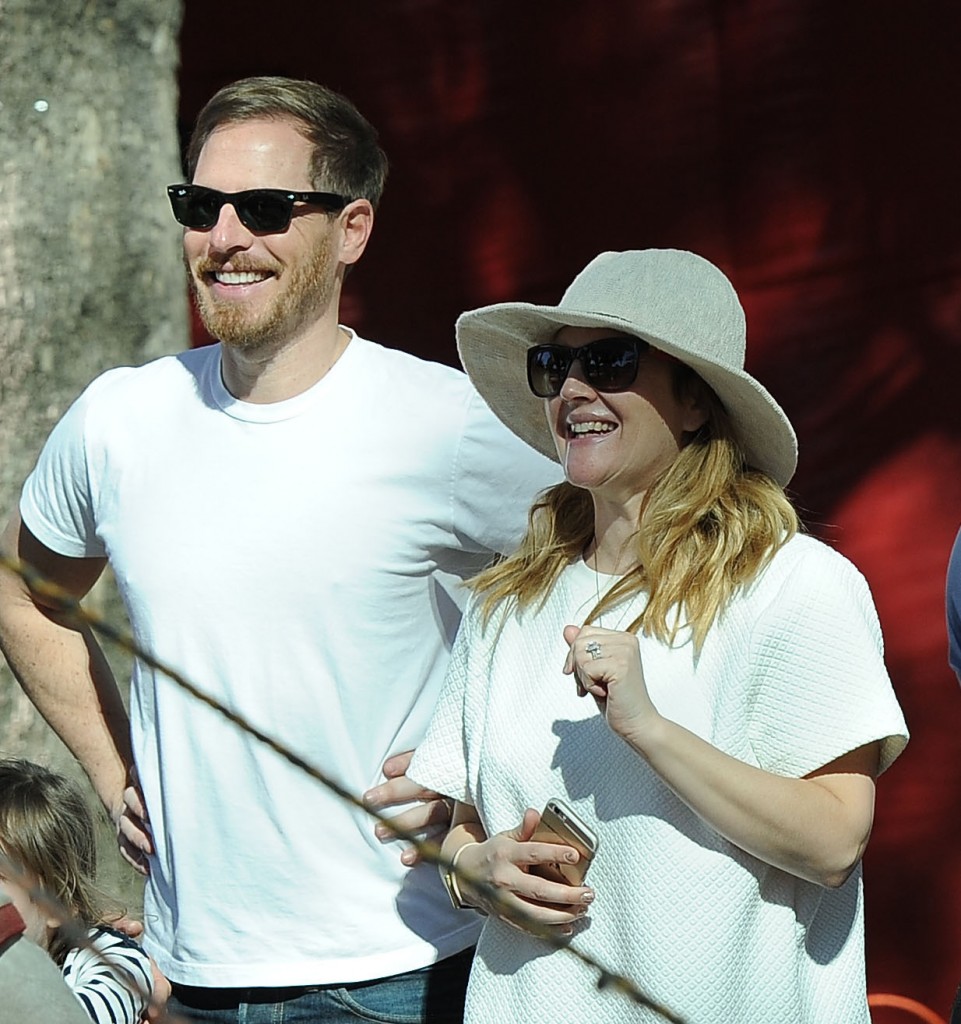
(274, 374)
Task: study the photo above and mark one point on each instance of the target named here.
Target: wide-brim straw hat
(676, 300)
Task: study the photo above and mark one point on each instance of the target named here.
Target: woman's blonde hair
(707, 526)
(47, 830)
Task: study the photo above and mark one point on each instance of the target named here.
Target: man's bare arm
(60, 665)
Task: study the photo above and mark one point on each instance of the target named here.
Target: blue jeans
(432, 995)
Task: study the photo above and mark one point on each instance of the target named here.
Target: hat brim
(493, 341)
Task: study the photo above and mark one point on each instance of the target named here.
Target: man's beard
(308, 292)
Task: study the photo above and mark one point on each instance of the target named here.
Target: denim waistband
(229, 998)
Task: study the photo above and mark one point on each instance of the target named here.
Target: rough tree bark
(90, 273)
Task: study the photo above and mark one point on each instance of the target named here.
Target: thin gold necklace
(597, 590)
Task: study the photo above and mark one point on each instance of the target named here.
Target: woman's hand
(505, 862)
(607, 665)
(815, 828)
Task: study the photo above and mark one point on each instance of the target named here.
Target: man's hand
(133, 829)
(431, 816)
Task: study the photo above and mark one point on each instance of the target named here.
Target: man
(276, 510)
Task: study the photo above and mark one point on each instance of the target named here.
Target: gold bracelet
(448, 874)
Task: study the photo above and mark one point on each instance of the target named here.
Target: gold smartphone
(559, 824)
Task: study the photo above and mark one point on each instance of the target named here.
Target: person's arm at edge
(60, 665)
(953, 607)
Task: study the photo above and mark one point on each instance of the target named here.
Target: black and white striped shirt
(112, 980)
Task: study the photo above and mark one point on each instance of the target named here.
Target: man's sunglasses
(259, 209)
(609, 364)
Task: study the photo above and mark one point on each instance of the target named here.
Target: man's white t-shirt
(282, 557)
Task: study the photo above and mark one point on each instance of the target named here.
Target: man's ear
(356, 224)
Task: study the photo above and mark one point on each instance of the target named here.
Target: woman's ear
(694, 418)
(694, 407)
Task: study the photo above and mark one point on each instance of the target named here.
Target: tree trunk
(90, 273)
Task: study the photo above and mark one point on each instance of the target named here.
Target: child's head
(47, 833)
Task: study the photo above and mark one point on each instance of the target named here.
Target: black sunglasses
(609, 364)
(259, 209)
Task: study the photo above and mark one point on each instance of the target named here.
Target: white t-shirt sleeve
(818, 678)
(441, 759)
(497, 476)
(58, 501)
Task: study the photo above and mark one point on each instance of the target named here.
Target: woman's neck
(613, 548)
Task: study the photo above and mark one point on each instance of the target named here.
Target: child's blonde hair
(47, 829)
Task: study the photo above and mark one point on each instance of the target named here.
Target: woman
(739, 709)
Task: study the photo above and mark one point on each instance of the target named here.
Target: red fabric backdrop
(810, 148)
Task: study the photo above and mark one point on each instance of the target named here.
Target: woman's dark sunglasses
(259, 209)
(609, 364)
